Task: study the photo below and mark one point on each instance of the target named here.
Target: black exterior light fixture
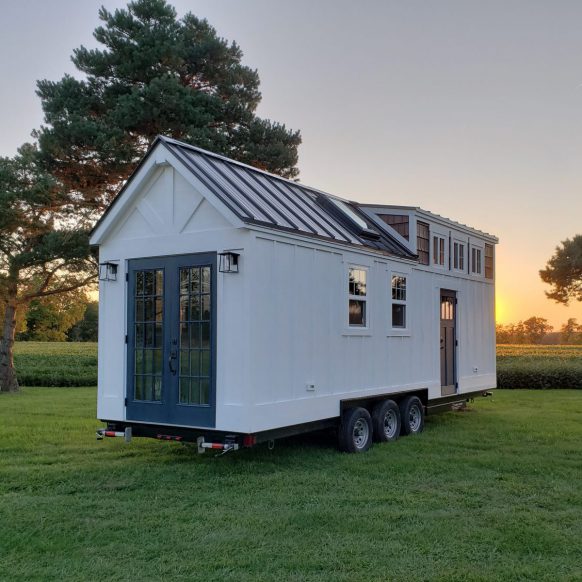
(108, 271)
(228, 262)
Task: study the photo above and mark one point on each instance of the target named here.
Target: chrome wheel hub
(361, 433)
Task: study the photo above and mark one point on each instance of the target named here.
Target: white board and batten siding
(285, 353)
(305, 357)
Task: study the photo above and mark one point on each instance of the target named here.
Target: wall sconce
(228, 262)
(108, 271)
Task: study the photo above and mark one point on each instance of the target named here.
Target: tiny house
(236, 306)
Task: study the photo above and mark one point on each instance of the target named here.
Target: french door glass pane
(149, 316)
(195, 332)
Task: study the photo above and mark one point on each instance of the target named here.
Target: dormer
(440, 243)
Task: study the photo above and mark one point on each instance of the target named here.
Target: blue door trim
(169, 410)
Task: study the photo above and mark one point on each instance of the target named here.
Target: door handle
(172, 359)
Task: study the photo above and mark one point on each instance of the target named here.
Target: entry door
(171, 340)
(448, 342)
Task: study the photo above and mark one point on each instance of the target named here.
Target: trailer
(238, 307)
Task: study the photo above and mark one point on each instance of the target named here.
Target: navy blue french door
(171, 340)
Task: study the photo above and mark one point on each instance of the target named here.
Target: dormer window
(476, 255)
(423, 242)
(438, 251)
(458, 256)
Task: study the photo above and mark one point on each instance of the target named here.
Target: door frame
(451, 388)
(169, 411)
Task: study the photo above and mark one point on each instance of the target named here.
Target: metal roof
(257, 197)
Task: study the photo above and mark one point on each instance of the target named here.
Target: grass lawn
(494, 493)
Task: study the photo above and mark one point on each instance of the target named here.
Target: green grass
(56, 363)
(493, 493)
(539, 367)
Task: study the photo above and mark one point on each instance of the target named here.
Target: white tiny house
(236, 306)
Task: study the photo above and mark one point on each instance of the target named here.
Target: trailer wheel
(386, 421)
(412, 415)
(355, 431)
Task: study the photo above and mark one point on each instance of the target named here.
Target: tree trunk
(8, 381)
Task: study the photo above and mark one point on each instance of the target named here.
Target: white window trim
(464, 244)
(442, 237)
(481, 272)
(356, 329)
(399, 331)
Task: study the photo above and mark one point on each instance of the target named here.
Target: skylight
(350, 213)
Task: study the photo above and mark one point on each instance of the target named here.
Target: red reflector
(109, 433)
(168, 437)
(249, 440)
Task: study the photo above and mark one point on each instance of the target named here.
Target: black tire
(386, 421)
(411, 415)
(355, 431)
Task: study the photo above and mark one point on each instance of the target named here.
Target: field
(75, 364)
(493, 493)
(56, 364)
(539, 367)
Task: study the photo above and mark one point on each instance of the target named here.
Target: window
(459, 256)
(476, 261)
(423, 243)
(357, 297)
(398, 301)
(489, 261)
(438, 251)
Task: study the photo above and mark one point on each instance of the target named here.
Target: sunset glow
(502, 312)
(478, 120)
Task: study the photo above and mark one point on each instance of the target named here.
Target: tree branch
(58, 290)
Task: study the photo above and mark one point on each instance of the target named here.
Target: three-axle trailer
(237, 307)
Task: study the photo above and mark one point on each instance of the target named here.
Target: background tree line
(71, 317)
(537, 330)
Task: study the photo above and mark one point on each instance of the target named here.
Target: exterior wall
(300, 335)
(170, 217)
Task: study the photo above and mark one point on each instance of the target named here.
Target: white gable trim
(160, 156)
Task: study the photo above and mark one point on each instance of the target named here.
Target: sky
(470, 109)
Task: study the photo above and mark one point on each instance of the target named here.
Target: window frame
(357, 328)
(392, 330)
(419, 224)
(476, 251)
(441, 249)
(461, 265)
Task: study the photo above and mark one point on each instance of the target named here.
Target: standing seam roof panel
(235, 174)
(284, 200)
(252, 208)
(330, 221)
(308, 221)
(261, 198)
(232, 205)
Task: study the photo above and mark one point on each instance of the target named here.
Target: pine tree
(156, 74)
